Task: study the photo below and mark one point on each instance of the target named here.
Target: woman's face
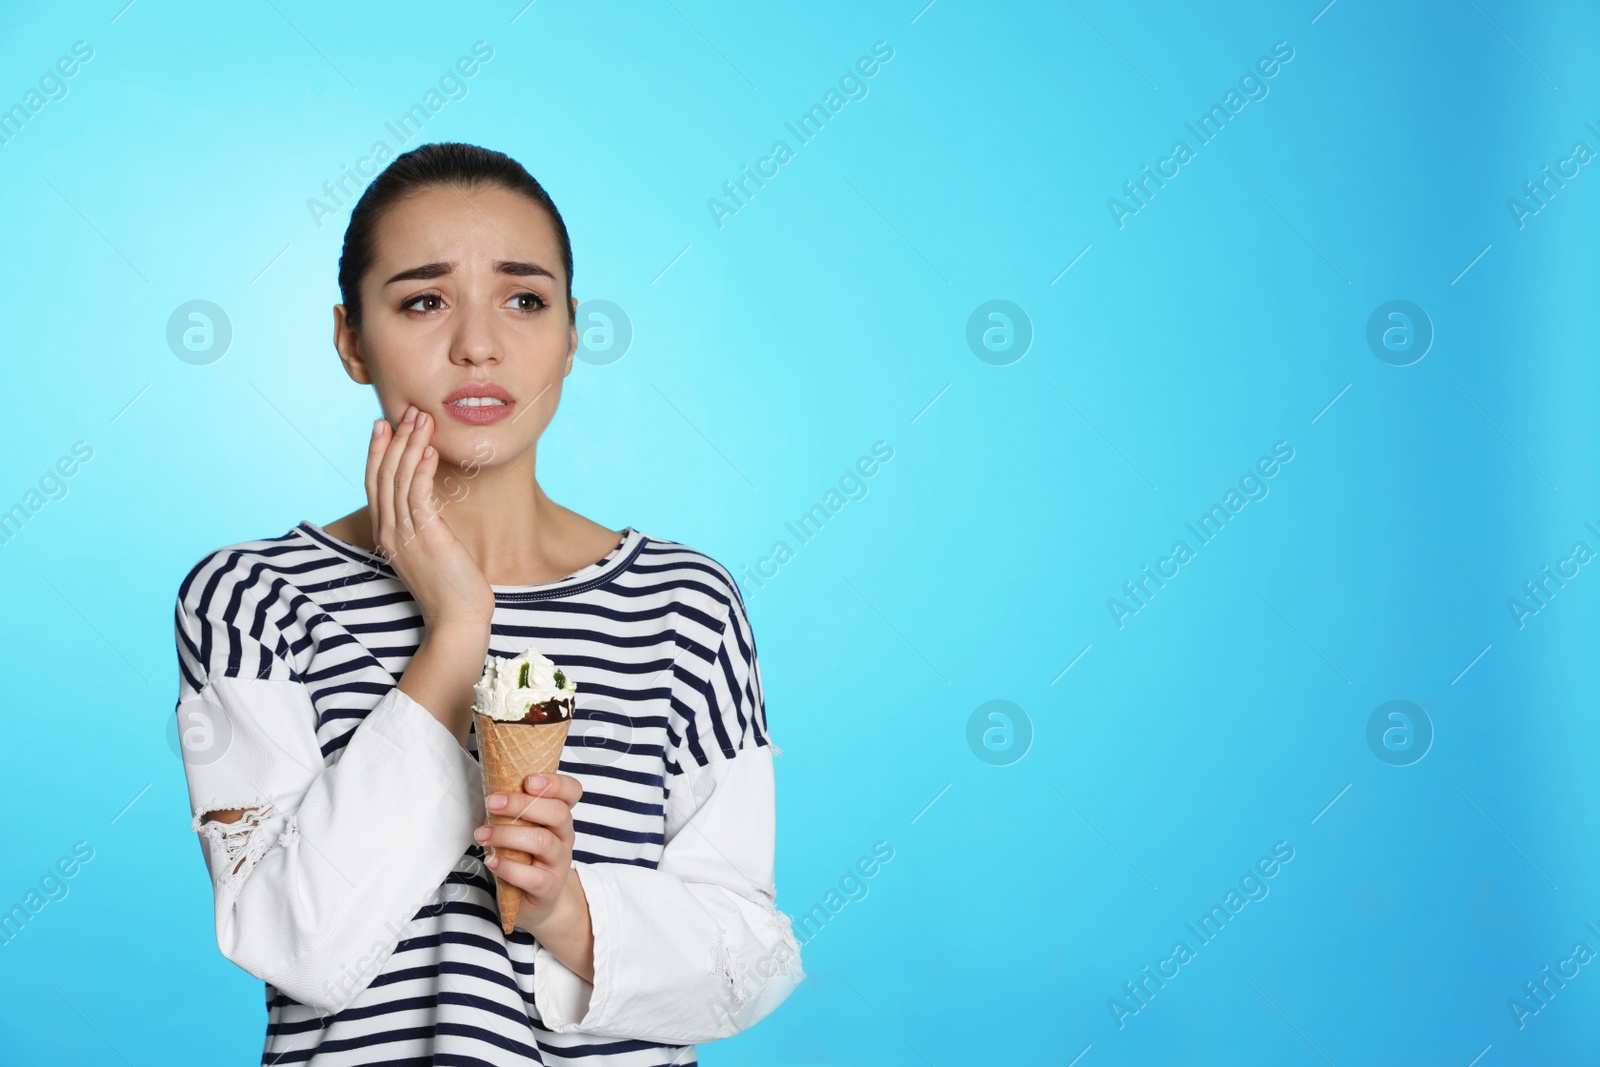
(465, 291)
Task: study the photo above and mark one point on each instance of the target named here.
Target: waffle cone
(510, 752)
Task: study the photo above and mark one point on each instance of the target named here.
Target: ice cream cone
(510, 752)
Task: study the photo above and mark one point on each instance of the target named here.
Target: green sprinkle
(522, 682)
(561, 679)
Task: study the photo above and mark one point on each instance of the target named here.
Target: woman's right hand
(409, 532)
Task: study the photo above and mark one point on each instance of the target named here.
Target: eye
(524, 296)
(436, 297)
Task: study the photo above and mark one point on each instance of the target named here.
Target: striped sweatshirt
(353, 887)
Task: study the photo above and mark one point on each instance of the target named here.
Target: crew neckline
(586, 577)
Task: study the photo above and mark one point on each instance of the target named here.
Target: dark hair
(441, 163)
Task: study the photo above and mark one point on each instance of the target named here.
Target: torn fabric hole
(236, 847)
(722, 967)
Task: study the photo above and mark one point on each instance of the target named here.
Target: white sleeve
(694, 950)
(314, 885)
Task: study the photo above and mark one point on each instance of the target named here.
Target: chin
(472, 447)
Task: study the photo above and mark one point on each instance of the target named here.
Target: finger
(386, 469)
(534, 879)
(559, 788)
(420, 498)
(554, 815)
(375, 450)
(416, 479)
(404, 472)
(537, 841)
(563, 787)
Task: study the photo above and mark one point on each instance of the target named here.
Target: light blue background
(831, 313)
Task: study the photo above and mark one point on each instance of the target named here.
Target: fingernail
(493, 861)
(411, 413)
(536, 782)
(427, 452)
(497, 801)
(481, 833)
(377, 426)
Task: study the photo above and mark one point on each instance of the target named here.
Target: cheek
(404, 371)
(551, 332)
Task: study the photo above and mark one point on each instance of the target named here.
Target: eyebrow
(504, 266)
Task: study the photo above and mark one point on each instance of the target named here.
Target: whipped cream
(509, 687)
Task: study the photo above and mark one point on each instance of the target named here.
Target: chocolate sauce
(550, 711)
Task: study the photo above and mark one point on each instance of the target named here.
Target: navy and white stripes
(657, 639)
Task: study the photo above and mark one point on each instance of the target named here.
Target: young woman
(326, 682)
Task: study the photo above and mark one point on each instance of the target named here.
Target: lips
(478, 403)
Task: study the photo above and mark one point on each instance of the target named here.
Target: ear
(348, 344)
(572, 338)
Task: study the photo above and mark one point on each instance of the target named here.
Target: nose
(474, 342)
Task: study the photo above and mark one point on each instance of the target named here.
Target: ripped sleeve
(233, 848)
(314, 884)
(334, 854)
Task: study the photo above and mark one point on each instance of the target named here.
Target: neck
(503, 518)
(514, 532)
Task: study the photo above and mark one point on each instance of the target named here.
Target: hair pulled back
(447, 163)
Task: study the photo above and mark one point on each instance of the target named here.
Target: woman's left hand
(543, 829)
